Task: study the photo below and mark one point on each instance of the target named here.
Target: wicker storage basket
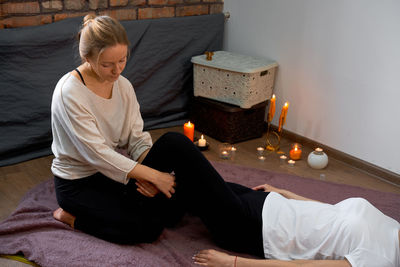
(226, 122)
(234, 78)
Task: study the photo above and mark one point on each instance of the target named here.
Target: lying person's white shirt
(352, 229)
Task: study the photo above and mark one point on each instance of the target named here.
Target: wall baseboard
(360, 164)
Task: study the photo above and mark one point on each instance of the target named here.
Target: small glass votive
(283, 158)
(233, 152)
(295, 152)
(291, 162)
(225, 151)
(260, 151)
(261, 158)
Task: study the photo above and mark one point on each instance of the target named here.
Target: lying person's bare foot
(213, 258)
(65, 217)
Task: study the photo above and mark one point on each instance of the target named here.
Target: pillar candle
(202, 141)
(271, 109)
(188, 130)
(282, 118)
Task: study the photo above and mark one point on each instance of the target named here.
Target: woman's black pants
(119, 213)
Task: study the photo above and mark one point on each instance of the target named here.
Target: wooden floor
(17, 179)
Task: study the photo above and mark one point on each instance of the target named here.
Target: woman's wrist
(143, 172)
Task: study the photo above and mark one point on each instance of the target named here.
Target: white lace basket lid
(234, 78)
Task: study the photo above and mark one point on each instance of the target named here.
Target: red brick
(216, 8)
(2, 11)
(158, 2)
(52, 5)
(58, 17)
(121, 14)
(74, 4)
(118, 2)
(154, 13)
(21, 8)
(95, 4)
(174, 2)
(137, 2)
(182, 11)
(16, 22)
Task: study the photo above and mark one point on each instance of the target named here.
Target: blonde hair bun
(88, 18)
(99, 32)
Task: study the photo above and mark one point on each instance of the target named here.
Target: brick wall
(20, 13)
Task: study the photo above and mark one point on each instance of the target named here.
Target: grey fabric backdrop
(33, 59)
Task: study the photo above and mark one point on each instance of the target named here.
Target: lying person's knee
(175, 139)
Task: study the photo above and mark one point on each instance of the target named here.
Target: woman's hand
(146, 188)
(165, 182)
(149, 177)
(266, 188)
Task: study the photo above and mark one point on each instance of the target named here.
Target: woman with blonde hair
(94, 112)
(131, 199)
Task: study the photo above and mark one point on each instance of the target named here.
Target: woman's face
(111, 62)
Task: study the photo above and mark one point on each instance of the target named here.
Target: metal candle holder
(270, 144)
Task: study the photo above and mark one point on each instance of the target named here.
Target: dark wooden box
(226, 122)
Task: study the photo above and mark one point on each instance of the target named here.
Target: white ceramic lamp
(317, 159)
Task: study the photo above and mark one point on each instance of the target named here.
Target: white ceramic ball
(317, 159)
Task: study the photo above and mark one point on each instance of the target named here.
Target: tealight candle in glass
(225, 150)
(233, 152)
(283, 158)
(260, 151)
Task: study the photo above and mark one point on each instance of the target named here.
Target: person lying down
(302, 232)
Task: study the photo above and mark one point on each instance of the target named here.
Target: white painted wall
(339, 67)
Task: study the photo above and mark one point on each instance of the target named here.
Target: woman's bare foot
(213, 258)
(65, 217)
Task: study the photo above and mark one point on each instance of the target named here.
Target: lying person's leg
(214, 258)
(232, 218)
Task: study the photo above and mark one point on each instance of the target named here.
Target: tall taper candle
(271, 109)
(282, 118)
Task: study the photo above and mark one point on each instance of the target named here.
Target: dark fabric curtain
(33, 59)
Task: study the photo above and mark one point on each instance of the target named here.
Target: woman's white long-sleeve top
(87, 129)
